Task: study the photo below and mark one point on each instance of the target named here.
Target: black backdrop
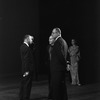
(77, 19)
(17, 18)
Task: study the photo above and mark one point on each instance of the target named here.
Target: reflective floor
(10, 90)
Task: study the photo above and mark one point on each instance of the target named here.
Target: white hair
(58, 30)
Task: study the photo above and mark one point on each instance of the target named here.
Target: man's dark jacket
(58, 62)
(27, 58)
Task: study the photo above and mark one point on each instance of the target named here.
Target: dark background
(79, 19)
(17, 18)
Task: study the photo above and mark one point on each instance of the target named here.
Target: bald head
(51, 40)
(56, 32)
(29, 39)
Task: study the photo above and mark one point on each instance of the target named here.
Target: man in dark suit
(58, 66)
(50, 47)
(27, 67)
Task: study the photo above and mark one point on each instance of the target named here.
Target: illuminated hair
(58, 30)
(74, 41)
(50, 38)
(27, 36)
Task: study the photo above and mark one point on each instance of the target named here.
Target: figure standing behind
(74, 59)
(58, 66)
(50, 47)
(27, 67)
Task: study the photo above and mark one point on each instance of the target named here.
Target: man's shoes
(79, 84)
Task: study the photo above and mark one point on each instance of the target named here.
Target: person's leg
(50, 85)
(50, 95)
(72, 71)
(56, 85)
(64, 88)
(21, 89)
(59, 86)
(27, 87)
(78, 83)
(77, 78)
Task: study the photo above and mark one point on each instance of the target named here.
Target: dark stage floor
(9, 91)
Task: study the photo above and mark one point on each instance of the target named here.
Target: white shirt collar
(26, 44)
(57, 37)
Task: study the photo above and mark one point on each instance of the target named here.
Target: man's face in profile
(51, 40)
(73, 41)
(54, 34)
(31, 39)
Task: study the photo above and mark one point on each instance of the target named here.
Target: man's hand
(68, 67)
(25, 74)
